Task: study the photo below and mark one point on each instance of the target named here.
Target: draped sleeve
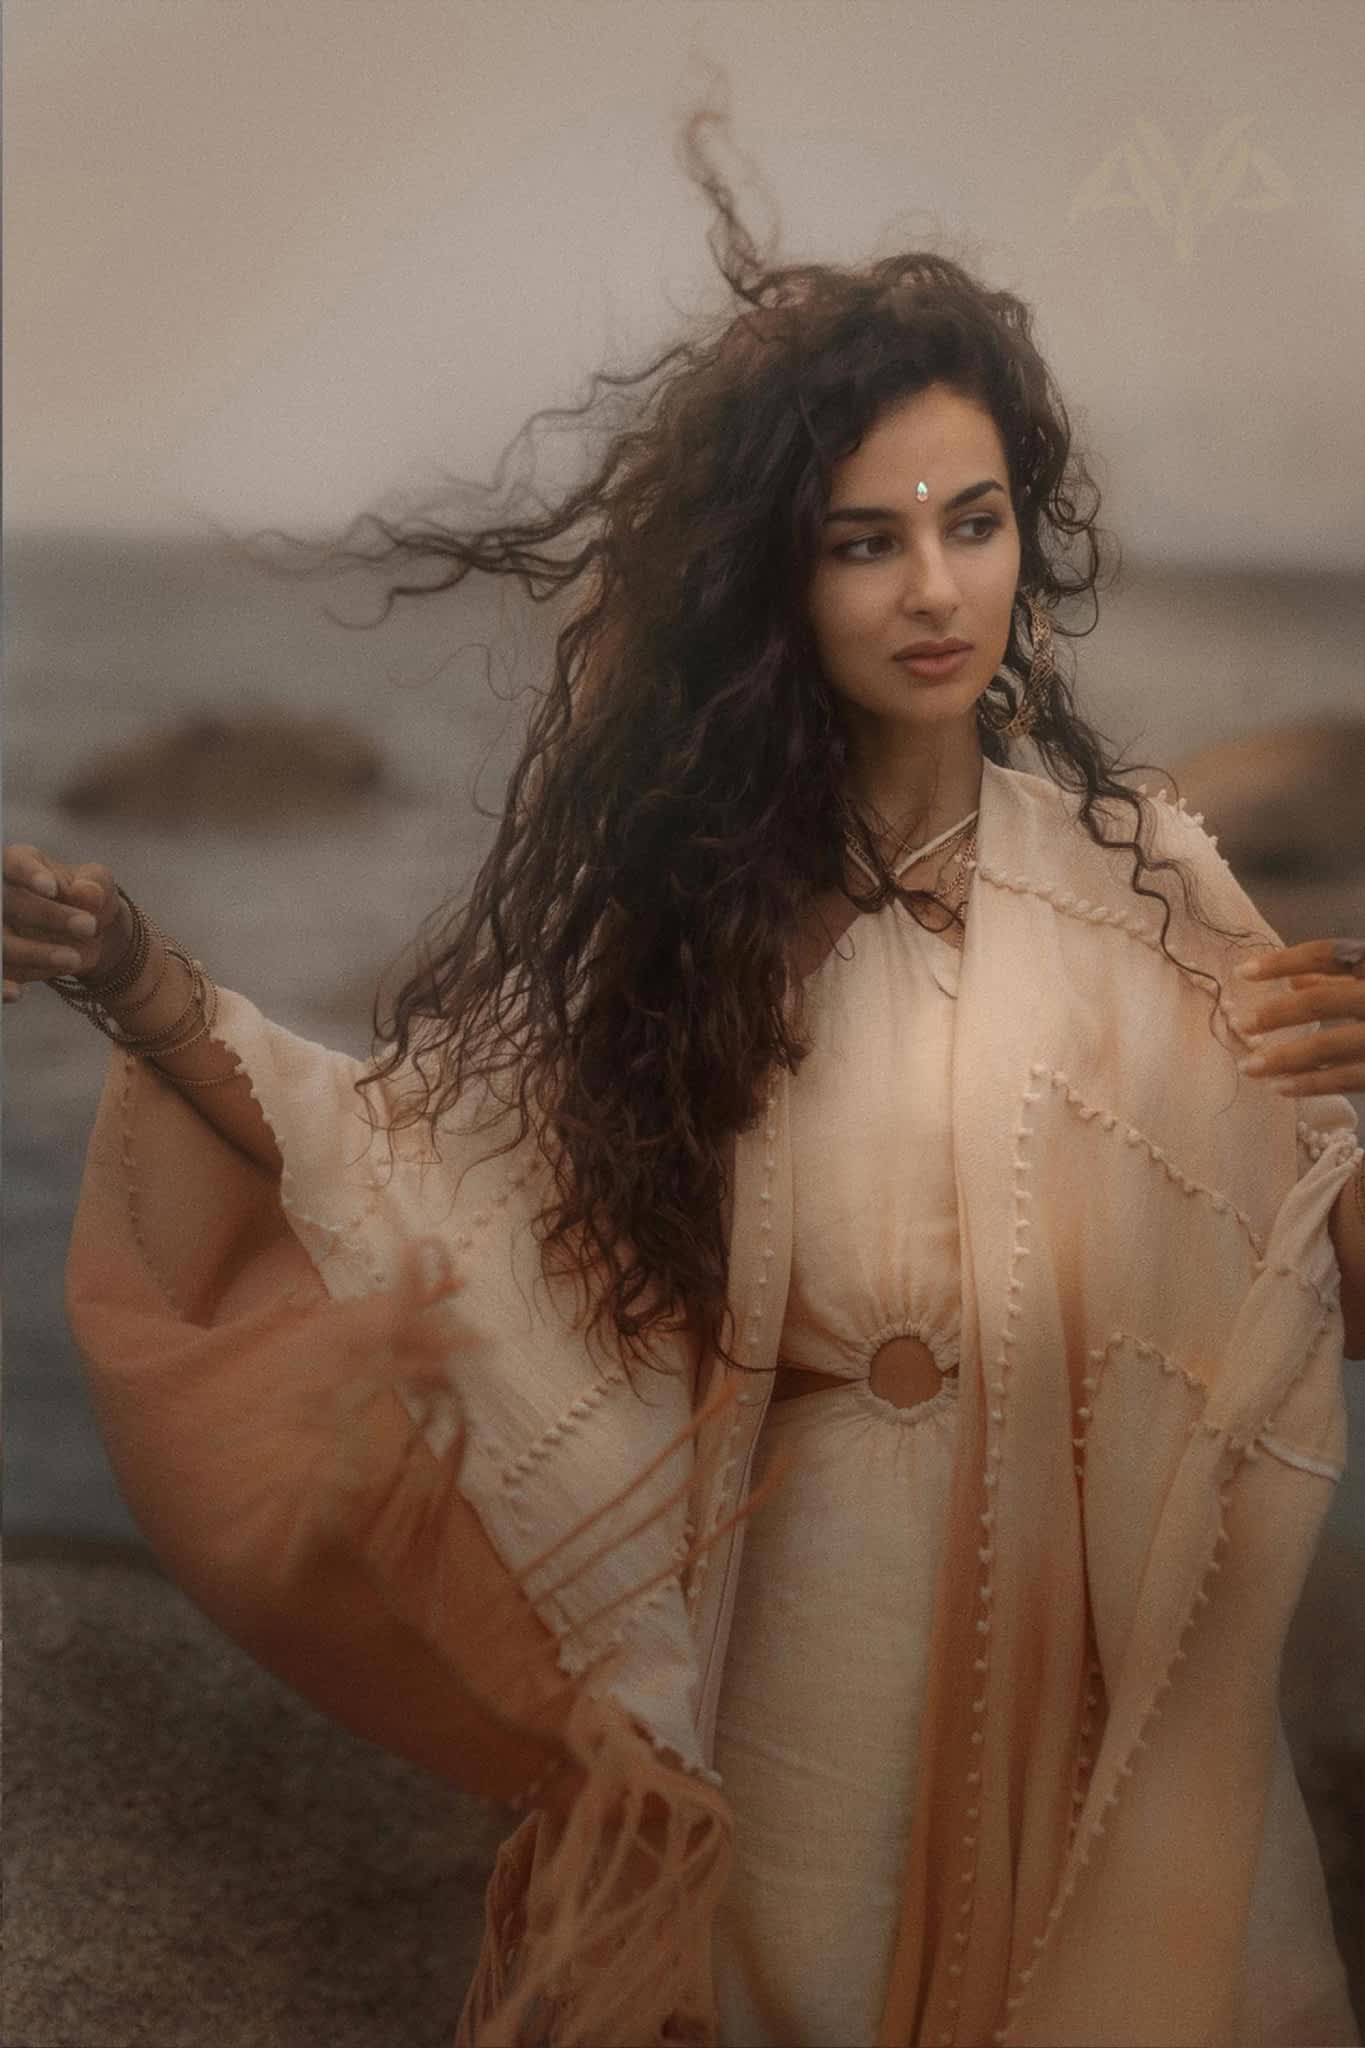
(358, 1442)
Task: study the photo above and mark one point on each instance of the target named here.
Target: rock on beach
(258, 769)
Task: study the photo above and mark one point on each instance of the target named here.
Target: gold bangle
(84, 993)
(210, 1018)
(169, 951)
(131, 1009)
(218, 1080)
(205, 1000)
(173, 1038)
(153, 1043)
(130, 969)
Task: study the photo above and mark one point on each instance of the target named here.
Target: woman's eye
(847, 552)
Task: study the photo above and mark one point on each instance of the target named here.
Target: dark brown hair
(625, 950)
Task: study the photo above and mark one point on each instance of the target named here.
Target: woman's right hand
(59, 919)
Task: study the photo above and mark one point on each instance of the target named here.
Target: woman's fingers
(34, 916)
(35, 959)
(89, 886)
(30, 866)
(47, 933)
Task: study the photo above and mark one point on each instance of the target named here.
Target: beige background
(269, 261)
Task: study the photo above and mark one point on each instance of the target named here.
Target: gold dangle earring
(1037, 689)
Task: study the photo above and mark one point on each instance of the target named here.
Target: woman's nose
(929, 587)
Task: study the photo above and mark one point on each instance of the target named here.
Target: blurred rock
(1287, 807)
(1288, 802)
(264, 770)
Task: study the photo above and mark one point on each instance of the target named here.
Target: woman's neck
(914, 814)
(896, 824)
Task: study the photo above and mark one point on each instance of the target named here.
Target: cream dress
(820, 1704)
(819, 1708)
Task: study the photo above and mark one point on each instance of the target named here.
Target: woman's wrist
(116, 962)
(135, 972)
(148, 995)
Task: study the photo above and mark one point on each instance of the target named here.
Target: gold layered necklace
(954, 877)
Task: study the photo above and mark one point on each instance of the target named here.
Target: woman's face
(894, 569)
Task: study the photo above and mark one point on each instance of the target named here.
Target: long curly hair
(626, 947)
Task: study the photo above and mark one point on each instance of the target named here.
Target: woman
(852, 1066)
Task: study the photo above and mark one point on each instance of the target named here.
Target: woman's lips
(935, 664)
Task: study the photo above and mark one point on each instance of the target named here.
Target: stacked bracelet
(90, 995)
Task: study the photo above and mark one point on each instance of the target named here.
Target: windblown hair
(626, 947)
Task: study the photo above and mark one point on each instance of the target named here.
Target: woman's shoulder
(1043, 839)
(1031, 801)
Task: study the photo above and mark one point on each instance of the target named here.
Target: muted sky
(283, 261)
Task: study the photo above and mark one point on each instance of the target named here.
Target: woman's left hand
(1328, 979)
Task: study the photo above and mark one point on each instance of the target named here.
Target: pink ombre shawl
(369, 1438)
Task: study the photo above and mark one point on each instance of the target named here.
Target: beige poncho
(452, 1525)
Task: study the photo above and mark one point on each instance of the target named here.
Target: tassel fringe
(609, 1926)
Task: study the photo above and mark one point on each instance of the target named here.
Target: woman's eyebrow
(860, 512)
